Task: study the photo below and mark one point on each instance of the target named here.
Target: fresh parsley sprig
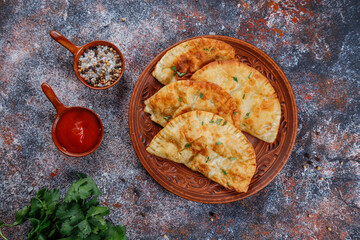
(78, 216)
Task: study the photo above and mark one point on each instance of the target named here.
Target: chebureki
(190, 56)
(256, 100)
(204, 142)
(184, 96)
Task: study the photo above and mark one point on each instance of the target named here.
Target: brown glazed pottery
(61, 109)
(182, 181)
(78, 51)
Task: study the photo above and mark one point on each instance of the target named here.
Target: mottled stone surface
(316, 43)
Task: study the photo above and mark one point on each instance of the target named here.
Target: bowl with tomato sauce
(76, 131)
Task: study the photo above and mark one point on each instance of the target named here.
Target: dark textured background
(316, 43)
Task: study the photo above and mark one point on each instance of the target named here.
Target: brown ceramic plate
(180, 180)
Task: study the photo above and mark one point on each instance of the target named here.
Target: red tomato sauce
(78, 130)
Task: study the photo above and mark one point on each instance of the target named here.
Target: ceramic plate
(180, 180)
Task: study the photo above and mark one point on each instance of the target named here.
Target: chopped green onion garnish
(188, 145)
(181, 74)
(176, 72)
(225, 123)
(249, 75)
(218, 143)
(180, 100)
(202, 123)
(232, 158)
(235, 79)
(224, 172)
(244, 124)
(227, 183)
(211, 121)
(207, 159)
(247, 115)
(201, 95)
(234, 113)
(244, 96)
(218, 121)
(167, 118)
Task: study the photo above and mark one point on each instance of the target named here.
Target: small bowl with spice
(98, 64)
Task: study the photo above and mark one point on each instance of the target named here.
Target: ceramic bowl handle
(53, 98)
(65, 42)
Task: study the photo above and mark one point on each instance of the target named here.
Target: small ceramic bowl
(61, 109)
(78, 51)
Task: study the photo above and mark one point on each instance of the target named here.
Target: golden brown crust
(189, 57)
(184, 96)
(255, 98)
(220, 152)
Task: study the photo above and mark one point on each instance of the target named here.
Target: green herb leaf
(82, 189)
(208, 158)
(71, 212)
(227, 183)
(223, 171)
(180, 74)
(115, 232)
(225, 123)
(21, 215)
(84, 228)
(211, 121)
(249, 75)
(100, 211)
(211, 50)
(202, 123)
(234, 113)
(92, 202)
(244, 124)
(188, 145)
(167, 118)
(247, 115)
(206, 49)
(235, 79)
(243, 96)
(232, 158)
(36, 208)
(176, 72)
(201, 95)
(179, 100)
(218, 121)
(218, 143)
(97, 223)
